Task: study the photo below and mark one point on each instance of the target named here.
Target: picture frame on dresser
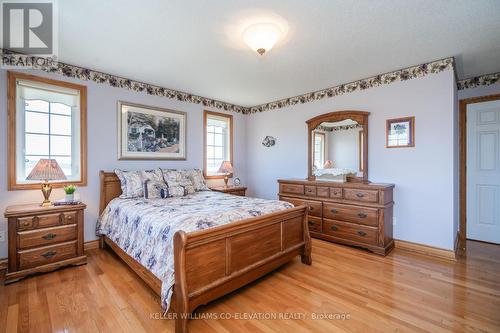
(150, 133)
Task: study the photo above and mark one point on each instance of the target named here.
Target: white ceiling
(195, 46)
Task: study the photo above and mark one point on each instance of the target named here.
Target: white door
(483, 171)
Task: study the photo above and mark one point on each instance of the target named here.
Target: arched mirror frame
(361, 117)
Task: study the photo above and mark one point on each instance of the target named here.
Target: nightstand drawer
(241, 193)
(26, 223)
(47, 236)
(44, 221)
(47, 254)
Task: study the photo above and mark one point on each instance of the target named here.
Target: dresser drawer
(350, 231)
(47, 236)
(292, 188)
(47, 254)
(314, 206)
(362, 215)
(310, 190)
(323, 191)
(314, 223)
(361, 195)
(335, 192)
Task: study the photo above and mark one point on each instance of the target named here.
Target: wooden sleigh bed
(214, 262)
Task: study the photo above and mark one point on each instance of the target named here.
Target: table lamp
(226, 168)
(46, 169)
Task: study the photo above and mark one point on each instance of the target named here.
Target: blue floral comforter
(145, 228)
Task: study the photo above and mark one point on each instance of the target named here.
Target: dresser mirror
(338, 149)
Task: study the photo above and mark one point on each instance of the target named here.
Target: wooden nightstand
(42, 239)
(235, 190)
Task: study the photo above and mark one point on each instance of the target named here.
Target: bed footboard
(213, 262)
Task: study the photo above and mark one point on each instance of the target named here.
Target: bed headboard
(110, 188)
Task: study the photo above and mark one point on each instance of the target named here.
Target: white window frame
(17, 133)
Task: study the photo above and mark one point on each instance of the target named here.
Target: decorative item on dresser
(42, 239)
(46, 169)
(226, 169)
(235, 190)
(350, 213)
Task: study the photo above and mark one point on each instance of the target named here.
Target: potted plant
(70, 190)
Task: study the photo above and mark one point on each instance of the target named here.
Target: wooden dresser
(42, 239)
(350, 213)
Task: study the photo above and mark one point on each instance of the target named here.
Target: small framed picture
(400, 132)
(148, 133)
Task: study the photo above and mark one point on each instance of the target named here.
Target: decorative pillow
(155, 189)
(198, 180)
(177, 191)
(132, 181)
(174, 178)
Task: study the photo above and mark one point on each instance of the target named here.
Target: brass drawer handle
(362, 233)
(334, 211)
(310, 222)
(49, 236)
(25, 223)
(334, 228)
(360, 195)
(49, 254)
(310, 208)
(309, 191)
(335, 192)
(362, 215)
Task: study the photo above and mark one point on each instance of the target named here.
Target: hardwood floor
(401, 292)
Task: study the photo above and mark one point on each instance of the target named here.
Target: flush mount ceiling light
(261, 37)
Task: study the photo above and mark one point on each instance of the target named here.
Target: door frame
(462, 134)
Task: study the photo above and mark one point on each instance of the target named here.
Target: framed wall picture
(148, 133)
(400, 132)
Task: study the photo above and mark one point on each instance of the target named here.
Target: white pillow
(178, 177)
(132, 182)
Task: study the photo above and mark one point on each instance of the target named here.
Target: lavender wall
(424, 175)
(102, 145)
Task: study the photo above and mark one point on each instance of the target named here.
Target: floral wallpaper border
(11, 59)
(371, 82)
(49, 65)
(483, 80)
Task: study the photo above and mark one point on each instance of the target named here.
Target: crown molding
(363, 84)
(49, 65)
(482, 80)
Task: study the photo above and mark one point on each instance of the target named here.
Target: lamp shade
(46, 169)
(261, 37)
(226, 167)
